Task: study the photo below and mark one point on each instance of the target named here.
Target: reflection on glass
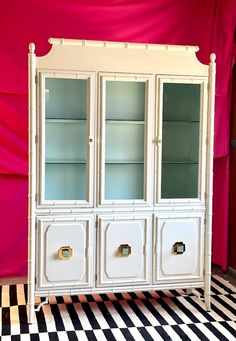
(180, 140)
(65, 139)
(124, 142)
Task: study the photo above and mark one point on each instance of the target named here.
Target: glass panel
(66, 98)
(180, 140)
(125, 100)
(65, 139)
(179, 180)
(124, 142)
(181, 102)
(65, 181)
(124, 181)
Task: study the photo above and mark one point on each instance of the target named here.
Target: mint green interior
(66, 98)
(180, 140)
(65, 181)
(124, 140)
(65, 139)
(125, 100)
(124, 181)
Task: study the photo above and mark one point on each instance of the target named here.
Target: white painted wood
(209, 178)
(53, 234)
(148, 80)
(122, 57)
(150, 225)
(169, 266)
(114, 269)
(161, 80)
(31, 180)
(90, 138)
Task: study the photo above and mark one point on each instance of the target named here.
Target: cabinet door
(181, 139)
(125, 135)
(178, 248)
(123, 256)
(64, 252)
(66, 139)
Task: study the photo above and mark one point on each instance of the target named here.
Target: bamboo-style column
(209, 179)
(31, 180)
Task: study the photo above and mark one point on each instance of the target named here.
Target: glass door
(67, 139)
(125, 103)
(181, 128)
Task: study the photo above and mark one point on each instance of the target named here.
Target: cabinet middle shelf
(66, 141)
(124, 141)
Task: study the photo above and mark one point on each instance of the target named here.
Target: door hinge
(36, 138)
(36, 79)
(96, 224)
(36, 196)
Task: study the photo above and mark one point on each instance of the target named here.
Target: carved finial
(31, 47)
(212, 58)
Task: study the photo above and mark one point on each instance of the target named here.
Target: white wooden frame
(102, 281)
(202, 139)
(40, 247)
(157, 247)
(93, 60)
(90, 77)
(149, 84)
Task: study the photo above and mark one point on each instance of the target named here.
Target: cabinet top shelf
(65, 120)
(123, 121)
(180, 121)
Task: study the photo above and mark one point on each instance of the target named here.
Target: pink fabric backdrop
(210, 24)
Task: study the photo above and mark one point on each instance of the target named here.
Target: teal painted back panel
(66, 141)
(124, 181)
(66, 98)
(65, 182)
(179, 181)
(180, 142)
(181, 102)
(124, 142)
(125, 100)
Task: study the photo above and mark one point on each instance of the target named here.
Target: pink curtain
(210, 24)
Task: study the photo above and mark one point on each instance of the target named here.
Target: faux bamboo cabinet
(120, 168)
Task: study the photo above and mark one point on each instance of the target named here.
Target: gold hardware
(124, 250)
(179, 248)
(65, 253)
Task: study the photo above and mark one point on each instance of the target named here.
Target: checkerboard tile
(152, 315)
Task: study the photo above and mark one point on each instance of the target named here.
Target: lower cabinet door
(64, 252)
(178, 248)
(123, 257)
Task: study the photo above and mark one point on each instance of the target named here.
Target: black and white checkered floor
(153, 315)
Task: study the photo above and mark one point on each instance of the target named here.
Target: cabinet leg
(207, 298)
(189, 291)
(30, 313)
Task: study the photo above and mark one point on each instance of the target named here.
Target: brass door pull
(124, 250)
(179, 248)
(65, 253)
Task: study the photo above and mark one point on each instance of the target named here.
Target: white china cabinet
(120, 168)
